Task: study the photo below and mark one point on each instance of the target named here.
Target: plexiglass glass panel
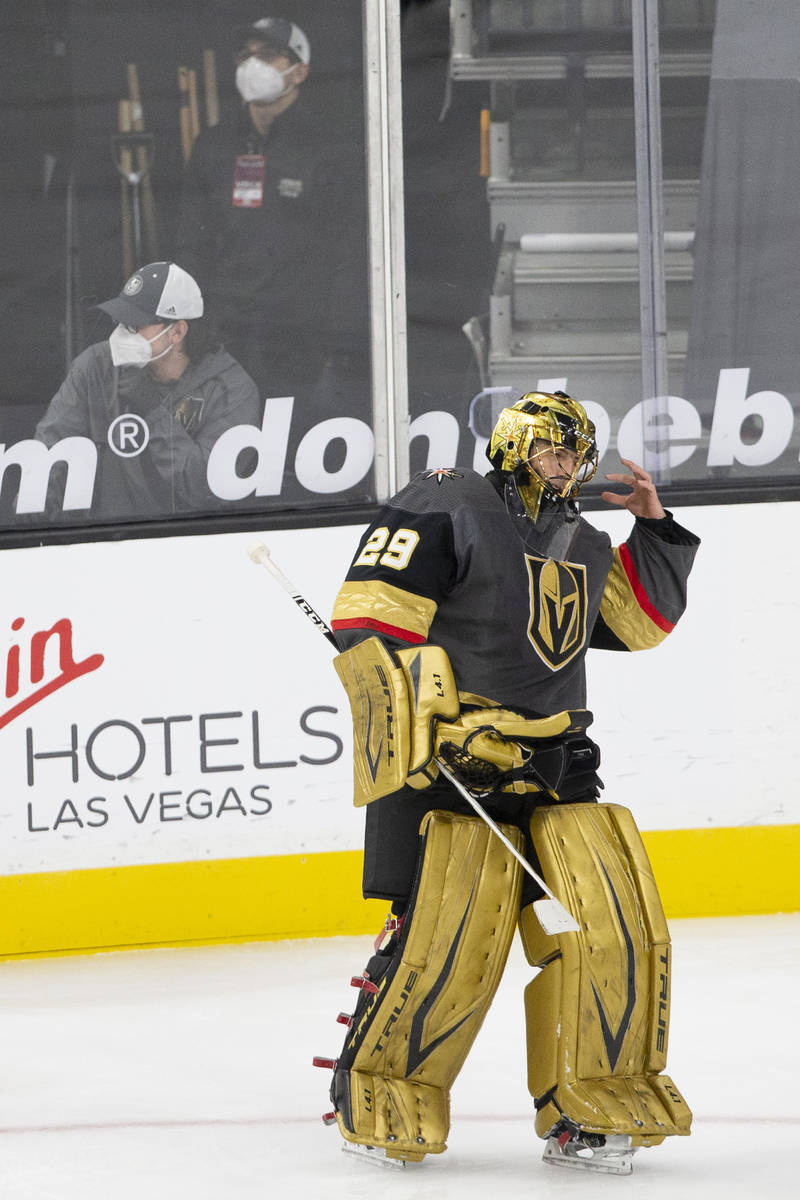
(523, 234)
(537, 244)
(215, 137)
(739, 384)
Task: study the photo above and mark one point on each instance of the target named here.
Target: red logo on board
(27, 681)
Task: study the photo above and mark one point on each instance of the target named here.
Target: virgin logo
(30, 675)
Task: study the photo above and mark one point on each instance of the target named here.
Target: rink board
(176, 760)
(700, 872)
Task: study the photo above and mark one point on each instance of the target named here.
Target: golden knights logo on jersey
(557, 627)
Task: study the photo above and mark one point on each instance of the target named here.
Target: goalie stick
(553, 917)
(260, 554)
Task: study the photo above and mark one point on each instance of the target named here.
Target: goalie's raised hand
(643, 500)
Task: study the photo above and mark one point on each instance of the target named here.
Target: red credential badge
(248, 181)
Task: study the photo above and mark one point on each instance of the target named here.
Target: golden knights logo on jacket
(190, 411)
(557, 626)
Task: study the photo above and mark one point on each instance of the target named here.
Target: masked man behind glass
(154, 398)
(273, 227)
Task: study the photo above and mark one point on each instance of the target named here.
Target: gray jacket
(181, 421)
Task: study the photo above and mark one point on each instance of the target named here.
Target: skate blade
(373, 1154)
(614, 1158)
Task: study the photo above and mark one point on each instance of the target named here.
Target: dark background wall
(747, 245)
(448, 236)
(63, 72)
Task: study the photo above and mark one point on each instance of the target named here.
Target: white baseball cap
(161, 291)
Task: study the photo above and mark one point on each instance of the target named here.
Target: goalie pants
(391, 838)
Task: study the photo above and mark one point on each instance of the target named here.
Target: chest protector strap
(409, 1038)
(598, 1012)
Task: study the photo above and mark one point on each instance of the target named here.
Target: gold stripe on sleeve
(623, 614)
(375, 604)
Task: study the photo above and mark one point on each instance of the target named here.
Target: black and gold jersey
(445, 563)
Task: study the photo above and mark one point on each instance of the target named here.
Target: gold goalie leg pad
(598, 1012)
(425, 999)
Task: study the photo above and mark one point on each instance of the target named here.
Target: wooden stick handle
(185, 115)
(149, 229)
(210, 86)
(134, 95)
(126, 212)
(194, 106)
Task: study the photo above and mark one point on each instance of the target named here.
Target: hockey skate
(570, 1147)
(376, 1155)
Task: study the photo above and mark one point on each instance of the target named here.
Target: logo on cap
(134, 285)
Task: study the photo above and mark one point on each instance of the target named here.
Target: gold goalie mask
(547, 443)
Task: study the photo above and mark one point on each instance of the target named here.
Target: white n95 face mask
(132, 350)
(260, 82)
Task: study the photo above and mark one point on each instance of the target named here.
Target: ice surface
(165, 1074)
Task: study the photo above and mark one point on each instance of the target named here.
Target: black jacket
(295, 264)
